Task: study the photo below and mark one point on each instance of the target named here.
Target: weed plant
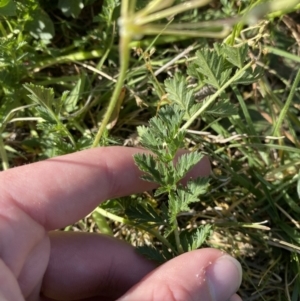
(217, 78)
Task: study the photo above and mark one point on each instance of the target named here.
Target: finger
(9, 287)
(205, 274)
(59, 191)
(235, 297)
(85, 265)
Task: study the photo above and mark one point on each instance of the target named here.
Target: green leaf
(223, 108)
(163, 137)
(236, 55)
(145, 214)
(161, 190)
(4, 3)
(193, 240)
(148, 164)
(102, 223)
(198, 187)
(149, 140)
(201, 235)
(70, 103)
(213, 67)
(184, 196)
(186, 162)
(110, 11)
(44, 113)
(179, 93)
(40, 95)
(152, 253)
(298, 185)
(41, 26)
(71, 8)
(250, 76)
(8, 8)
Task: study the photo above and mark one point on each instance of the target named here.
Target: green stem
(124, 61)
(287, 105)
(107, 51)
(2, 30)
(3, 154)
(140, 226)
(102, 223)
(177, 238)
(59, 123)
(77, 56)
(215, 96)
(175, 226)
(170, 11)
(283, 53)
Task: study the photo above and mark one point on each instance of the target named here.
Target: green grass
(253, 199)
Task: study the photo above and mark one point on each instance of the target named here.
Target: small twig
(288, 216)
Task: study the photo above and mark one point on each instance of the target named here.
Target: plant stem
(140, 226)
(77, 56)
(177, 238)
(175, 226)
(124, 62)
(107, 51)
(67, 132)
(286, 107)
(3, 154)
(215, 96)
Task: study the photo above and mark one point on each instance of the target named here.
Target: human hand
(37, 263)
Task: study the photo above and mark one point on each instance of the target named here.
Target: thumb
(201, 275)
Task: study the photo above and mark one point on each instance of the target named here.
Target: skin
(38, 263)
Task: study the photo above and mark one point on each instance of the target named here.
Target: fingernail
(224, 277)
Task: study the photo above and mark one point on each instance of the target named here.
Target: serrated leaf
(179, 93)
(185, 163)
(223, 108)
(149, 140)
(212, 67)
(40, 95)
(198, 186)
(250, 76)
(70, 103)
(144, 214)
(193, 72)
(184, 196)
(148, 164)
(160, 190)
(44, 113)
(193, 240)
(162, 136)
(199, 238)
(236, 55)
(151, 253)
(195, 108)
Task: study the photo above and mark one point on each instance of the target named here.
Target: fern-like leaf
(179, 93)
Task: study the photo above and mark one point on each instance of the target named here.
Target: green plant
(135, 24)
(220, 68)
(237, 101)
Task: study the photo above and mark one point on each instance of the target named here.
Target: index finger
(59, 191)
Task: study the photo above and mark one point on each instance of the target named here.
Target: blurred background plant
(59, 63)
